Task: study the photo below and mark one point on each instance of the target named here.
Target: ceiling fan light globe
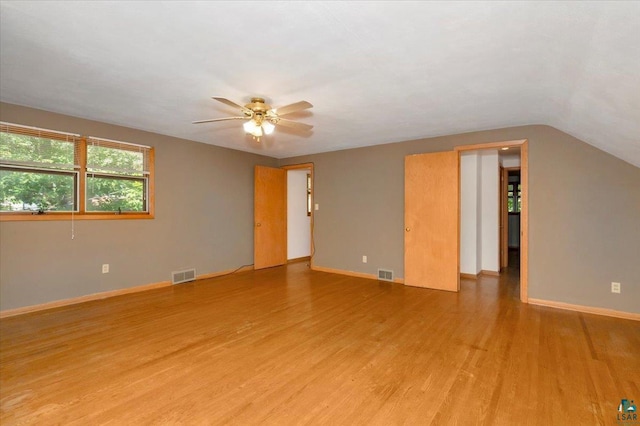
(268, 127)
(257, 132)
(249, 126)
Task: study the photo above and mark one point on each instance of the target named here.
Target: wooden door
(270, 217)
(431, 245)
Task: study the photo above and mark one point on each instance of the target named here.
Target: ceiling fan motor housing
(257, 105)
(259, 110)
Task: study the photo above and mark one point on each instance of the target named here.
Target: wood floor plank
(292, 346)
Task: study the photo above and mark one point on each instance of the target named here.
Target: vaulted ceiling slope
(376, 72)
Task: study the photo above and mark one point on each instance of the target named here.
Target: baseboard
(226, 272)
(585, 309)
(469, 276)
(482, 272)
(107, 294)
(352, 273)
(75, 300)
(299, 259)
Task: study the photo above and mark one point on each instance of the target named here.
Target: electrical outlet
(317, 206)
(364, 259)
(105, 268)
(615, 287)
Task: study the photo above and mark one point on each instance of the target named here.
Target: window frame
(81, 212)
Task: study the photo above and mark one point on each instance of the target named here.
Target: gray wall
(203, 219)
(584, 212)
(584, 217)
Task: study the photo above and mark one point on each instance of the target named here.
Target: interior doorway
(298, 214)
(498, 251)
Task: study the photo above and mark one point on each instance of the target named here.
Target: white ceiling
(376, 72)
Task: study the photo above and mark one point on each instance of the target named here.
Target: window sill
(26, 217)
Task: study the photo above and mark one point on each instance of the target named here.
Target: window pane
(32, 149)
(33, 190)
(114, 194)
(107, 159)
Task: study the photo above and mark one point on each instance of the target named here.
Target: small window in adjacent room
(49, 175)
(514, 193)
(308, 194)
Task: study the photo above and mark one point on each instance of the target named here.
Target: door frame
(307, 166)
(523, 144)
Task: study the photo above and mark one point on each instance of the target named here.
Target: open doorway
(299, 212)
(484, 211)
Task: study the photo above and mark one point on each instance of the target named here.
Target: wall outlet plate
(105, 268)
(364, 259)
(615, 287)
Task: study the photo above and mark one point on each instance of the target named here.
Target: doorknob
(258, 224)
(407, 229)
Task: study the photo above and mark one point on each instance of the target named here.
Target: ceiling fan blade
(231, 104)
(220, 119)
(288, 109)
(293, 124)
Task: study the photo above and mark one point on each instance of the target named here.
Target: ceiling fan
(261, 118)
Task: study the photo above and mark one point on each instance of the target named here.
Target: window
(308, 194)
(514, 193)
(116, 176)
(56, 174)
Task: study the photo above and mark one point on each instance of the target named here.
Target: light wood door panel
(270, 217)
(432, 221)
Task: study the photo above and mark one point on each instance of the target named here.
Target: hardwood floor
(292, 346)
